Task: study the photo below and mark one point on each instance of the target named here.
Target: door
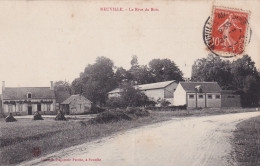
(39, 107)
(29, 110)
(67, 109)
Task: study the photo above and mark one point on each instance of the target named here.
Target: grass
(246, 142)
(18, 139)
(209, 111)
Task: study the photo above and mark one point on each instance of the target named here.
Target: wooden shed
(76, 104)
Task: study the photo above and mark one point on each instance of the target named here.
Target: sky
(43, 41)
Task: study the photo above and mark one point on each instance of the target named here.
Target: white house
(155, 91)
(198, 94)
(28, 100)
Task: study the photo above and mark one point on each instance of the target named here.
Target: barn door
(67, 109)
(39, 107)
(29, 110)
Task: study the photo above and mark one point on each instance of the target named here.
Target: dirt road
(193, 141)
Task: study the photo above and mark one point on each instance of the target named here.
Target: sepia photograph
(130, 83)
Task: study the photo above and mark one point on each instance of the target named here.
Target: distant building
(28, 100)
(76, 104)
(204, 94)
(198, 94)
(229, 98)
(154, 91)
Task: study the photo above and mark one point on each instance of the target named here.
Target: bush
(130, 97)
(96, 110)
(115, 102)
(136, 112)
(119, 114)
(163, 102)
(37, 116)
(10, 118)
(110, 116)
(60, 116)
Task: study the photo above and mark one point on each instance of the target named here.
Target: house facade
(28, 100)
(154, 91)
(198, 94)
(76, 104)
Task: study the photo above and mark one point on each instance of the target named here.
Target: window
(48, 107)
(10, 108)
(20, 107)
(29, 95)
(217, 96)
(191, 96)
(200, 96)
(209, 96)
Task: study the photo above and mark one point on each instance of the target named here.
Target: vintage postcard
(130, 83)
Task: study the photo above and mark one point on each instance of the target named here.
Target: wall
(201, 101)
(191, 102)
(179, 96)
(154, 94)
(214, 102)
(197, 102)
(17, 110)
(169, 90)
(80, 106)
(230, 100)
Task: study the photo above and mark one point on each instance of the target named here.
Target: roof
(157, 85)
(74, 97)
(21, 93)
(209, 87)
(117, 90)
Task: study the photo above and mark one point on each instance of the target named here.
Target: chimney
(3, 85)
(52, 88)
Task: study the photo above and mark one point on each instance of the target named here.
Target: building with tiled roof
(76, 104)
(28, 100)
(155, 91)
(204, 94)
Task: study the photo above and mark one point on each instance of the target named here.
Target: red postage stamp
(229, 31)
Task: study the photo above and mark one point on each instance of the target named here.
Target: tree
(130, 97)
(62, 91)
(139, 74)
(96, 80)
(240, 75)
(77, 86)
(247, 80)
(241, 68)
(165, 70)
(134, 61)
(213, 68)
(121, 75)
